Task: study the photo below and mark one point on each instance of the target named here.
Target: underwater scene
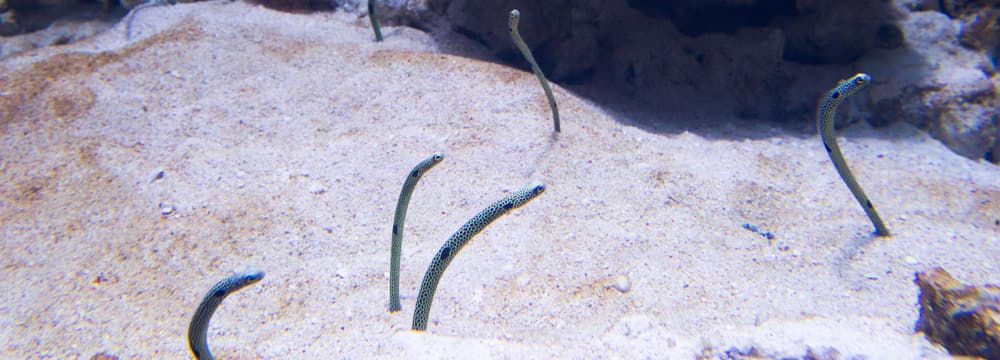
(458, 179)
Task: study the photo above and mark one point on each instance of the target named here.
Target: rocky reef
(934, 62)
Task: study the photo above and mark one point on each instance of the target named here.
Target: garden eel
(825, 116)
(397, 225)
(458, 240)
(515, 18)
(197, 332)
(371, 16)
(135, 10)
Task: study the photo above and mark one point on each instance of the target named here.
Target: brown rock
(961, 8)
(964, 319)
(8, 23)
(981, 30)
(103, 356)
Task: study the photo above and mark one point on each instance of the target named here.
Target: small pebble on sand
(621, 283)
(166, 209)
(316, 188)
(158, 174)
(523, 280)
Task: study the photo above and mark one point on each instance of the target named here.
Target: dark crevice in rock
(889, 36)
(580, 77)
(32, 16)
(472, 35)
(696, 18)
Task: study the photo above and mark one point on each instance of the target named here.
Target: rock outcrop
(964, 319)
(934, 63)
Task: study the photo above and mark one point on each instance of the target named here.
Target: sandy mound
(137, 174)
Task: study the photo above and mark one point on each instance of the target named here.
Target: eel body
(198, 330)
(397, 225)
(515, 19)
(458, 240)
(825, 121)
(374, 20)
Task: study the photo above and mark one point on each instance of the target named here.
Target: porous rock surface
(964, 319)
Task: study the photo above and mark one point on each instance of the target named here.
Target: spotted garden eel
(458, 240)
(515, 19)
(132, 13)
(825, 115)
(397, 225)
(198, 329)
(374, 20)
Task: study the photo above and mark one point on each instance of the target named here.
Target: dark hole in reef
(577, 78)
(62, 40)
(889, 36)
(701, 17)
(472, 35)
(418, 25)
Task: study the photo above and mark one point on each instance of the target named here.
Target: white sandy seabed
(226, 135)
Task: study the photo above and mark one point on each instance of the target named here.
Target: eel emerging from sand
(825, 117)
(198, 330)
(458, 240)
(397, 225)
(515, 19)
